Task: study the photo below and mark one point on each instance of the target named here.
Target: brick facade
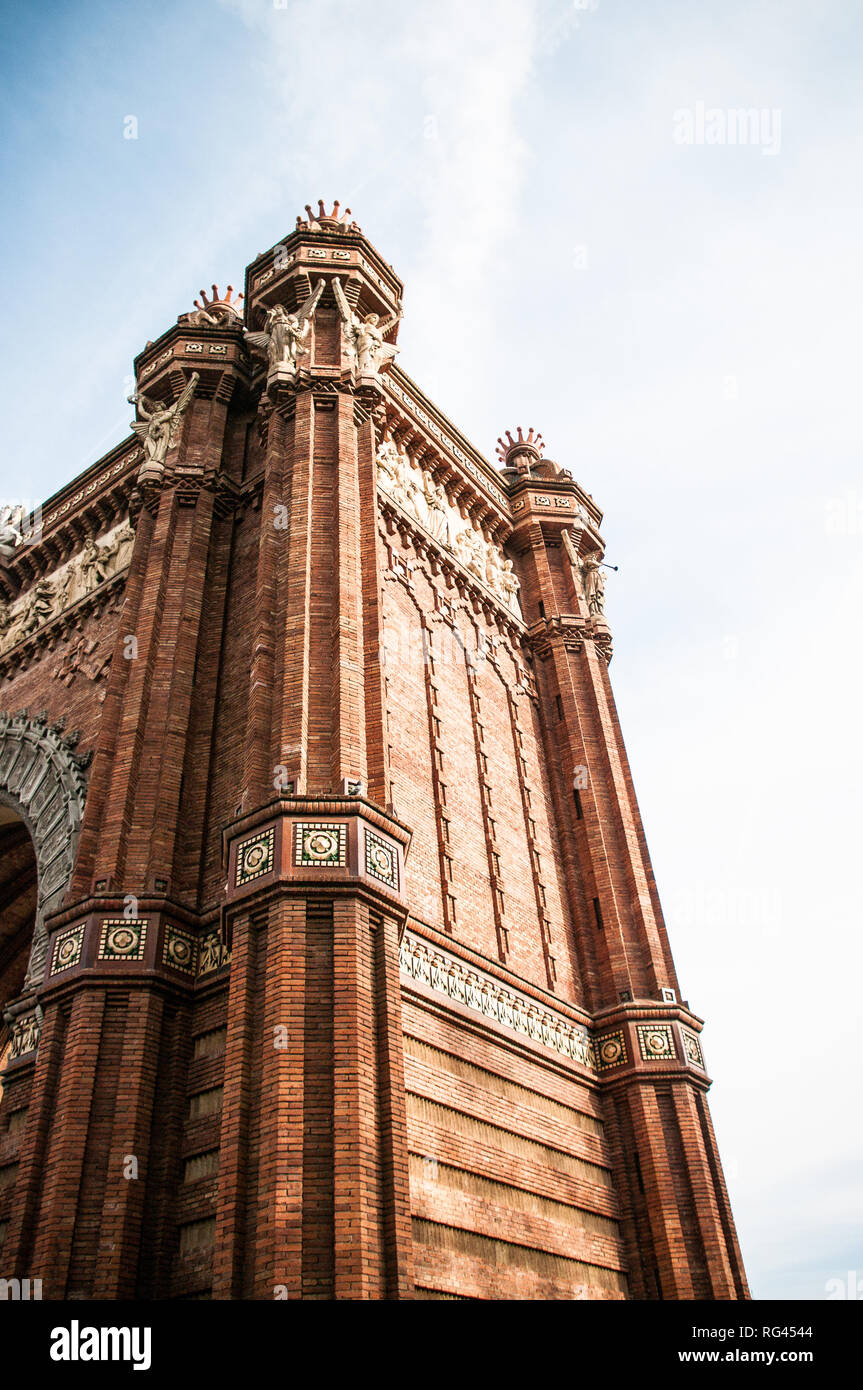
(354, 981)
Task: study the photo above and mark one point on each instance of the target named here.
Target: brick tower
(331, 959)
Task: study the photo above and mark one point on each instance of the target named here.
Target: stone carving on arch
(44, 780)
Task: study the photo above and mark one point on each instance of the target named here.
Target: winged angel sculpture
(366, 346)
(11, 529)
(284, 335)
(158, 428)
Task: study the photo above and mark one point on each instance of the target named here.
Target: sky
(585, 248)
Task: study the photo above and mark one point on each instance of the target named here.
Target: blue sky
(681, 322)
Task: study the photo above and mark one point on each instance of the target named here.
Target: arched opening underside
(19, 891)
(42, 793)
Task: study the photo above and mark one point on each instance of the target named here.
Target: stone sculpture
(365, 336)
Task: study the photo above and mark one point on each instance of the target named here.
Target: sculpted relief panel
(415, 490)
(78, 576)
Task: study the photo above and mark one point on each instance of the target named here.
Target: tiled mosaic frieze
(656, 1042)
(123, 938)
(692, 1048)
(320, 844)
(180, 951)
(479, 991)
(67, 949)
(382, 860)
(255, 857)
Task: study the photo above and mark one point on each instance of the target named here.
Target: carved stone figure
(412, 489)
(93, 564)
(158, 428)
(510, 586)
(11, 526)
(437, 510)
(40, 607)
(593, 581)
(285, 334)
(25, 1035)
(71, 581)
(75, 662)
(494, 569)
(365, 336)
(110, 551)
(470, 551)
(390, 471)
(415, 490)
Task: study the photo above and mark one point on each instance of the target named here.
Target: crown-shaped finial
(323, 221)
(530, 444)
(220, 301)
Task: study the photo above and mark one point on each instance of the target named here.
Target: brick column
(675, 1215)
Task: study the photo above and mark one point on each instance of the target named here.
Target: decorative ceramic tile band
(444, 973)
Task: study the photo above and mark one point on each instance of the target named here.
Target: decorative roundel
(180, 950)
(254, 858)
(67, 951)
(121, 940)
(381, 859)
(610, 1051)
(656, 1042)
(322, 844)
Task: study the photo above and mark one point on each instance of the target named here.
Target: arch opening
(19, 893)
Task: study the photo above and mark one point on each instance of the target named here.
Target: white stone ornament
(593, 582)
(159, 428)
(11, 528)
(415, 490)
(96, 562)
(368, 353)
(284, 337)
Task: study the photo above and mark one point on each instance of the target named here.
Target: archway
(19, 886)
(42, 793)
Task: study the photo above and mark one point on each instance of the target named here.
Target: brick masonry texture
(264, 1103)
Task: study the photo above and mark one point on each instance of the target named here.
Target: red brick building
(331, 959)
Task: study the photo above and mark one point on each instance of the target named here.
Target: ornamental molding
(603, 1050)
(473, 988)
